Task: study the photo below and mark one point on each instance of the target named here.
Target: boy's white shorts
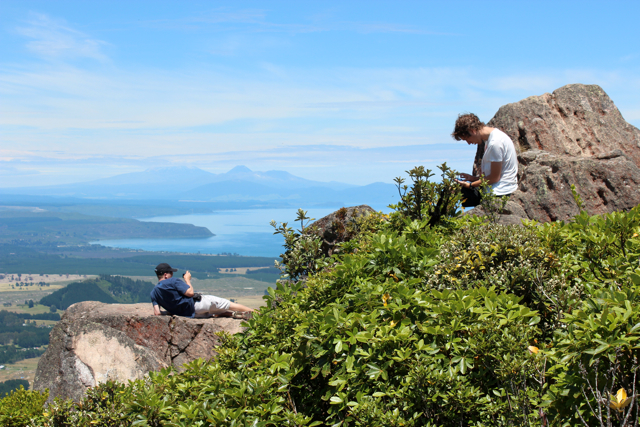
(210, 305)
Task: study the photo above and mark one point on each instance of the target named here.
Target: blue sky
(352, 91)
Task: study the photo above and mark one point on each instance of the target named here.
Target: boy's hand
(187, 275)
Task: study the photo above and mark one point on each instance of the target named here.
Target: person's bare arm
(468, 177)
(156, 310)
(187, 279)
(492, 178)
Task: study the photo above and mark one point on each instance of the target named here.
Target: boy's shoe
(244, 315)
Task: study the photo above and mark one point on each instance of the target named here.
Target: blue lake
(245, 232)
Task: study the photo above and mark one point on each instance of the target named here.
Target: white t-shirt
(500, 148)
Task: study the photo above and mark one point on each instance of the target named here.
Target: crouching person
(178, 298)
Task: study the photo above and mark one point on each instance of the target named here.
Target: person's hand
(187, 275)
(467, 177)
(465, 184)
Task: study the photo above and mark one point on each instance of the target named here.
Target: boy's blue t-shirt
(169, 294)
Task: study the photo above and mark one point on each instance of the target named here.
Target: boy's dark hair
(162, 268)
(465, 124)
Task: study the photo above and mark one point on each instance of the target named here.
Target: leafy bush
(511, 259)
(603, 249)
(22, 408)
(596, 354)
(427, 200)
(302, 255)
(105, 405)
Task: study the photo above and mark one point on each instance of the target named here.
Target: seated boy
(177, 297)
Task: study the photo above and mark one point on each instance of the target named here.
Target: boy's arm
(187, 279)
(156, 307)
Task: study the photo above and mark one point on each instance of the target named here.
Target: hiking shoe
(244, 315)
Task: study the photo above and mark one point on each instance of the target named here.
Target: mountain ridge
(189, 183)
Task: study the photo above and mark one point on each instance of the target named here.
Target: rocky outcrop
(335, 228)
(605, 183)
(575, 135)
(96, 342)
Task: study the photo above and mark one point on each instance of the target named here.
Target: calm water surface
(245, 232)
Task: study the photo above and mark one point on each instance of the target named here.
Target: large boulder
(575, 135)
(335, 228)
(96, 342)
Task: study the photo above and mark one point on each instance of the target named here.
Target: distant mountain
(163, 182)
(276, 179)
(168, 182)
(239, 185)
(185, 175)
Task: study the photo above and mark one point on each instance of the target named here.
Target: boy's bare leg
(234, 306)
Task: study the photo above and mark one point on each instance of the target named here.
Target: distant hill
(107, 289)
(239, 188)
(22, 225)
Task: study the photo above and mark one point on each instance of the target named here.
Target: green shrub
(22, 408)
(595, 355)
(601, 249)
(433, 202)
(303, 255)
(511, 259)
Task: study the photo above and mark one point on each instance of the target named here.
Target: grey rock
(96, 342)
(605, 185)
(512, 214)
(333, 228)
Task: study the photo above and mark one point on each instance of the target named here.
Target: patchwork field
(24, 369)
(251, 302)
(242, 270)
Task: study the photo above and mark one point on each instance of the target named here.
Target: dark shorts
(473, 197)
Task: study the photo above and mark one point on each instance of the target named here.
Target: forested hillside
(50, 259)
(107, 289)
(423, 318)
(10, 385)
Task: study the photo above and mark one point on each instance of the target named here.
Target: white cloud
(10, 171)
(629, 57)
(58, 108)
(211, 115)
(54, 38)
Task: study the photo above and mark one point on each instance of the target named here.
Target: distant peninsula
(74, 228)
